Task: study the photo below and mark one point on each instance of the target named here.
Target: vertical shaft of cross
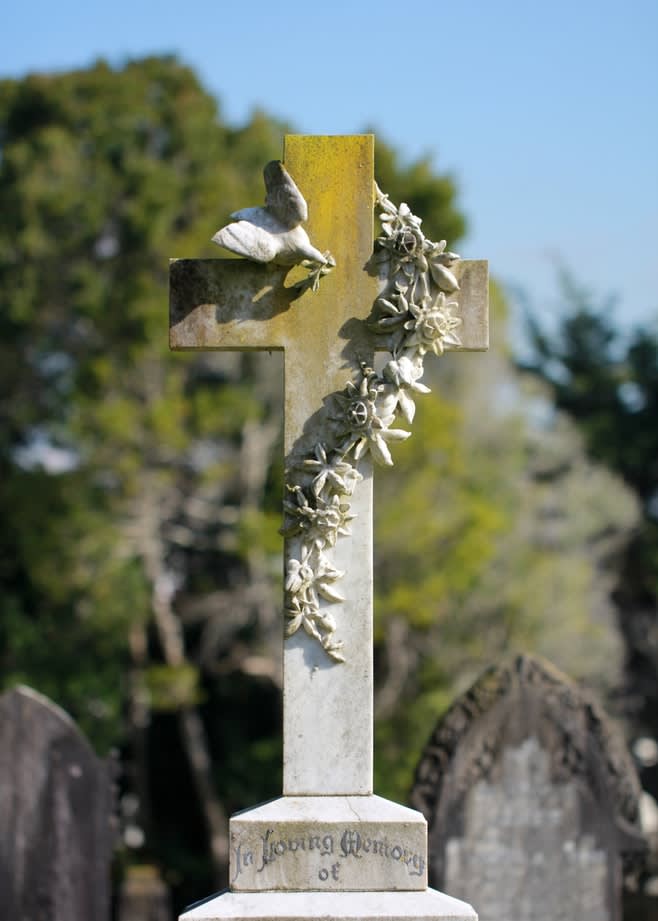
(328, 707)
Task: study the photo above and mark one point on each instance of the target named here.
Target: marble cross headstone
(328, 832)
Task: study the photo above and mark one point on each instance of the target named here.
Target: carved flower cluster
(414, 315)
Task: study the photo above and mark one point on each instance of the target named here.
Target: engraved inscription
(346, 844)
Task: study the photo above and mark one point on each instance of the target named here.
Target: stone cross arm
(233, 304)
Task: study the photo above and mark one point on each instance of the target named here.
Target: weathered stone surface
(524, 845)
(233, 304)
(56, 807)
(528, 790)
(428, 905)
(331, 842)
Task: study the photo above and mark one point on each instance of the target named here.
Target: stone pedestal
(428, 905)
(338, 857)
(300, 843)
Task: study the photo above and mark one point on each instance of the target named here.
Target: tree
(104, 175)
(608, 383)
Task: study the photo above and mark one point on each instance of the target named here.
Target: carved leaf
(407, 406)
(443, 277)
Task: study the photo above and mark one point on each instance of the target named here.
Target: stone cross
(237, 304)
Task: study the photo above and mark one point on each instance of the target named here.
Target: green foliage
(608, 384)
(172, 687)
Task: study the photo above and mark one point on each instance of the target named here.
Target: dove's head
(274, 174)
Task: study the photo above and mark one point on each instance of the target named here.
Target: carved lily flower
(299, 574)
(316, 623)
(339, 475)
(402, 375)
(305, 583)
(432, 325)
(325, 576)
(301, 613)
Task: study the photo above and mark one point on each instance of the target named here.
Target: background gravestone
(528, 789)
(56, 805)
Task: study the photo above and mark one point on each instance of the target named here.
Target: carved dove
(273, 233)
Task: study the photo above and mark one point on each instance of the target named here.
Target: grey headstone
(531, 799)
(56, 806)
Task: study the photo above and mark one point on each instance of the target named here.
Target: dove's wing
(261, 217)
(247, 239)
(283, 200)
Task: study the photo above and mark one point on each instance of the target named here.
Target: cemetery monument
(321, 293)
(527, 788)
(57, 806)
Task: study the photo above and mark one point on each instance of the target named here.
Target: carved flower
(332, 520)
(311, 576)
(408, 254)
(302, 514)
(337, 473)
(318, 624)
(323, 522)
(432, 325)
(365, 429)
(357, 405)
(403, 245)
(299, 574)
(402, 375)
(298, 612)
(325, 576)
(404, 236)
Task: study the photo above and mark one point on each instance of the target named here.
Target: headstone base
(340, 843)
(428, 905)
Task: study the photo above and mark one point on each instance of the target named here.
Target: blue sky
(546, 114)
